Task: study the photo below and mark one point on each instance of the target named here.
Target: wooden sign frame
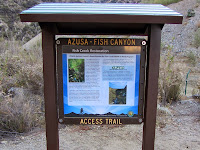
(66, 45)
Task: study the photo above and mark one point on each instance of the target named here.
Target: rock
(196, 96)
(190, 13)
(1, 96)
(189, 101)
(184, 102)
(14, 91)
(164, 110)
(184, 97)
(4, 142)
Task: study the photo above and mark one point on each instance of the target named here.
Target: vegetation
(10, 25)
(169, 79)
(21, 88)
(117, 96)
(164, 2)
(192, 58)
(76, 70)
(197, 38)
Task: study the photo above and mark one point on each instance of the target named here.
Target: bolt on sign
(99, 80)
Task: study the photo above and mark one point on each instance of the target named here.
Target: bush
(197, 38)
(21, 88)
(192, 58)
(20, 113)
(169, 79)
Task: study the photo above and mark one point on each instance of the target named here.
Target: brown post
(50, 94)
(153, 59)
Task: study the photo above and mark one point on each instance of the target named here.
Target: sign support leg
(153, 58)
(50, 96)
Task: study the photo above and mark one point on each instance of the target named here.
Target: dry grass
(170, 79)
(21, 113)
(192, 58)
(21, 84)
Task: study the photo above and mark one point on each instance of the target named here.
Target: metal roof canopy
(101, 18)
(95, 18)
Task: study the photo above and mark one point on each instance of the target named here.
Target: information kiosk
(100, 80)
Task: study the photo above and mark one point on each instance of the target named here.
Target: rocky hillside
(183, 40)
(11, 27)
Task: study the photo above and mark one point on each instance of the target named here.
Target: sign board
(100, 80)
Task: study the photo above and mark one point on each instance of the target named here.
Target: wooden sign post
(135, 94)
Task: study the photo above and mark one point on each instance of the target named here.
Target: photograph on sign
(100, 77)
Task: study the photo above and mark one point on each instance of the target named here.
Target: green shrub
(192, 58)
(197, 38)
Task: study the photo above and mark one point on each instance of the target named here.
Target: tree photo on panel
(76, 70)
